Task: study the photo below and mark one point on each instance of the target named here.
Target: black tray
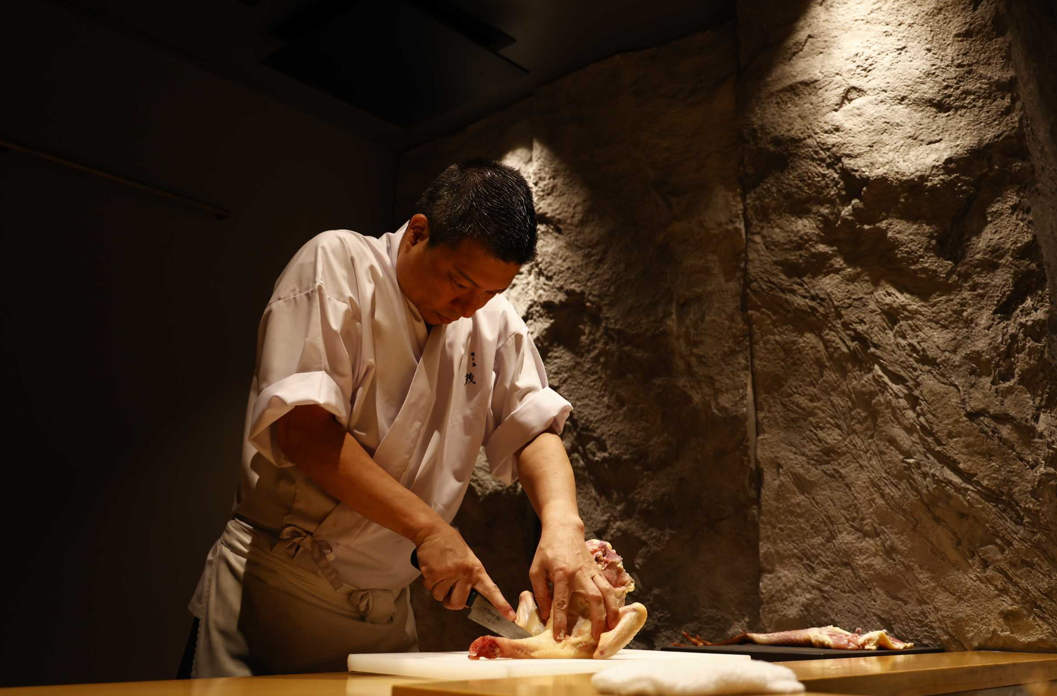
(785, 653)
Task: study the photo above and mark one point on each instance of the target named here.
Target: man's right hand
(320, 446)
(450, 570)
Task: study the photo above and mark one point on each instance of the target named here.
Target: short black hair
(486, 202)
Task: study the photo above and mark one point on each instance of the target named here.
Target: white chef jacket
(339, 332)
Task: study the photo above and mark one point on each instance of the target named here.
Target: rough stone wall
(893, 166)
(635, 302)
(906, 402)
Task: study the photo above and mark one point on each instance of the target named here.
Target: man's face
(445, 283)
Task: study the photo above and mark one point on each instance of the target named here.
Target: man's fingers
(459, 593)
(492, 593)
(542, 592)
(609, 596)
(597, 606)
(560, 606)
(442, 588)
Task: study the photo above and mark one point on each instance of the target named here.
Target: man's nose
(469, 304)
(469, 307)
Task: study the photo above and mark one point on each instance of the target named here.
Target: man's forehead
(474, 264)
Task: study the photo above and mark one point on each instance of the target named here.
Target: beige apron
(262, 613)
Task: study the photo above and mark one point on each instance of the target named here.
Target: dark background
(129, 327)
(129, 319)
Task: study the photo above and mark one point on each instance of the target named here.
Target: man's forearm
(311, 438)
(547, 477)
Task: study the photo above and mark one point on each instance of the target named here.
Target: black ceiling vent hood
(405, 61)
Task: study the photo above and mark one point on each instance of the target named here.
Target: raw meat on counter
(824, 637)
(578, 642)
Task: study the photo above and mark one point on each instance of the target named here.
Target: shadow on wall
(1034, 56)
(637, 307)
(635, 304)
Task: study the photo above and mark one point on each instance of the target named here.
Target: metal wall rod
(221, 213)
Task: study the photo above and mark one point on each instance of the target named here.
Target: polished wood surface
(927, 674)
(560, 685)
(896, 675)
(333, 684)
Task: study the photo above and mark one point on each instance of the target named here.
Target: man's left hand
(563, 567)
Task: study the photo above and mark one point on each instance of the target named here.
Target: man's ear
(418, 227)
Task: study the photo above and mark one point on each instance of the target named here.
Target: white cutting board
(456, 665)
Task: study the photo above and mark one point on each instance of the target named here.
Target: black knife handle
(469, 598)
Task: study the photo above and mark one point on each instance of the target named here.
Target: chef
(383, 365)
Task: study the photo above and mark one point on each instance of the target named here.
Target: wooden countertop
(896, 675)
(561, 685)
(330, 684)
(926, 674)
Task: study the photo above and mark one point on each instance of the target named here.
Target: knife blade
(484, 614)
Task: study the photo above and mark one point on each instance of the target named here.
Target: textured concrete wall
(899, 467)
(635, 303)
(907, 434)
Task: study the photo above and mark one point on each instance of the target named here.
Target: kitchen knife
(483, 613)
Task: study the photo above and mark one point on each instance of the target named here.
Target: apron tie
(320, 551)
(376, 606)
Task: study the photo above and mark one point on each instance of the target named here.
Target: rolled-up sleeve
(523, 406)
(308, 349)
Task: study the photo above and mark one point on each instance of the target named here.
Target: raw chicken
(578, 642)
(824, 637)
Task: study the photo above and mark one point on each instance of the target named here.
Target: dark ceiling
(399, 71)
